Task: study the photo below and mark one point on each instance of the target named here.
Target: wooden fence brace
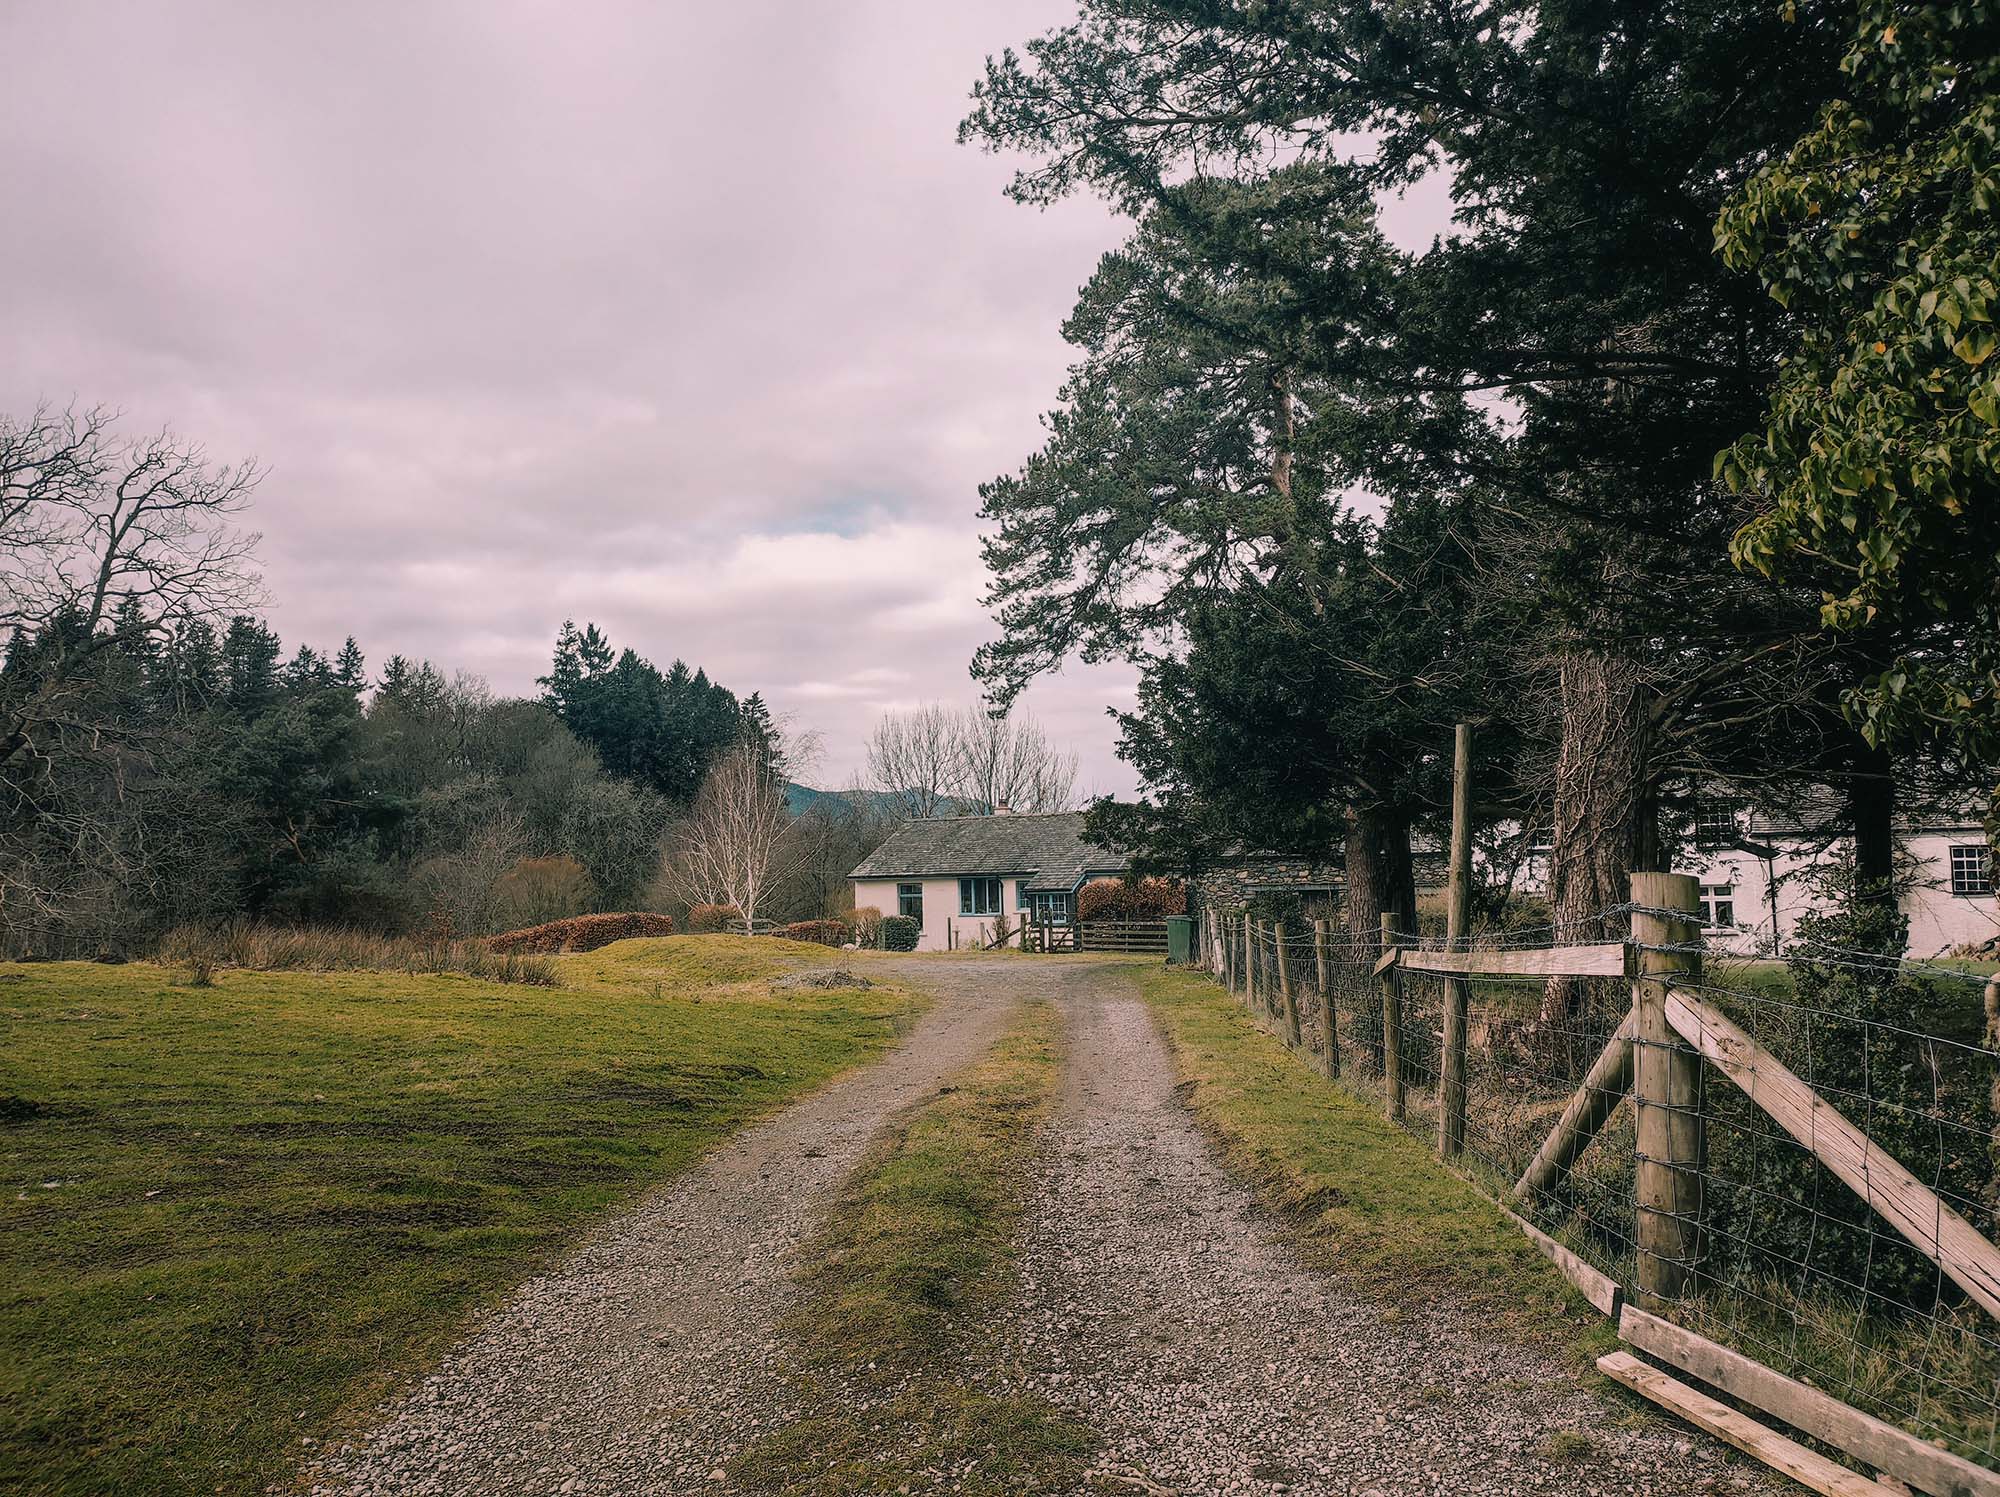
(1329, 1024)
(1671, 1142)
(1807, 1467)
(1289, 998)
(1864, 1166)
(1604, 1087)
(1458, 917)
(1888, 1449)
(1249, 962)
(1392, 1026)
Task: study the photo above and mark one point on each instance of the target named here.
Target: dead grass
(251, 946)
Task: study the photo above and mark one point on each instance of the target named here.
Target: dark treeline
(1535, 404)
(209, 775)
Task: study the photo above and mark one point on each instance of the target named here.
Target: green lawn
(236, 1214)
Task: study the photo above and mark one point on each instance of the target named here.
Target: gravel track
(1156, 1301)
(647, 1359)
(1160, 1304)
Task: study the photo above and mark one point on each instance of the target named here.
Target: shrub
(710, 919)
(866, 923)
(583, 932)
(1122, 899)
(899, 933)
(821, 932)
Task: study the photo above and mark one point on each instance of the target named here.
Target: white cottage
(957, 875)
(1760, 872)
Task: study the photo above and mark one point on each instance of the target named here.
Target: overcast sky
(693, 321)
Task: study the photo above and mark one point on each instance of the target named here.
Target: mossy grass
(898, 1287)
(235, 1215)
(1368, 1200)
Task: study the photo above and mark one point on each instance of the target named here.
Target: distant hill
(800, 797)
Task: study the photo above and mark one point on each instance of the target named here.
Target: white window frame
(1971, 867)
(1716, 898)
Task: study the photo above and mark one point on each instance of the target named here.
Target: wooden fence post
(1329, 1024)
(1290, 999)
(1392, 1028)
(1666, 1088)
(1458, 915)
(1249, 963)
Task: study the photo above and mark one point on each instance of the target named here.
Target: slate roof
(1050, 851)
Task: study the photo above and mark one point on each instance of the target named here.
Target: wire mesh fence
(1778, 1256)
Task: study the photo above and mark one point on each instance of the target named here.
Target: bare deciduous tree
(937, 761)
(95, 530)
(1005, 761)
(913, 760)
(739, 841)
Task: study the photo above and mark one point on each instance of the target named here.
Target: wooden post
(1458, 916)
(1392, 1028)
(1666, 1088)
(1290, 999)
(1329, 1025)
(1249, 962)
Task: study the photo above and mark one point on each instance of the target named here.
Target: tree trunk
(1365, 877)
(1871, 807)
(1380, 876)
(1602, 803)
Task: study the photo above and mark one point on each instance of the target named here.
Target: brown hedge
(824, 932)
(1114, 899)
(712, 919)
(583, 932)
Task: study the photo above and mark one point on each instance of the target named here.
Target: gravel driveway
(644, 1362)
(1162, 1307)
(1157, 1303)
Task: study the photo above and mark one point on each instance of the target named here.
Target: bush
(712, 919)
(899, 933)
(255, 947)
(820, 932)
(866, 923)
(582, 933)
(1121, 899)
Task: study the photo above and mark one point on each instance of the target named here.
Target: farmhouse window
(1972, 869)
(1021, 900)
(1718, 907)
(910, 901)
(979, 896)
(1714, 823)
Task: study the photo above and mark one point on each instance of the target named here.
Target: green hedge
(899, 933)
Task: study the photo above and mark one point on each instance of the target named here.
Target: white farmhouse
(957, 875)
(1760, 872)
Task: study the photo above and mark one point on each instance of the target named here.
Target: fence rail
(1796, 1191)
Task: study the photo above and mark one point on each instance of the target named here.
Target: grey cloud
(690, 320)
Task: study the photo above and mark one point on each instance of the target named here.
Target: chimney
(1001, 808)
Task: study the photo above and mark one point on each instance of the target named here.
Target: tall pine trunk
(1603, 811)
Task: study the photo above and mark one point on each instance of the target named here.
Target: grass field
(920, 1246)
(236, 1214)
(1369, 1200)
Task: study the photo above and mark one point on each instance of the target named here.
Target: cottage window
(979, 896)
(1021, 899)
(1972, 869)
(1718, 906)
(910, 901)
